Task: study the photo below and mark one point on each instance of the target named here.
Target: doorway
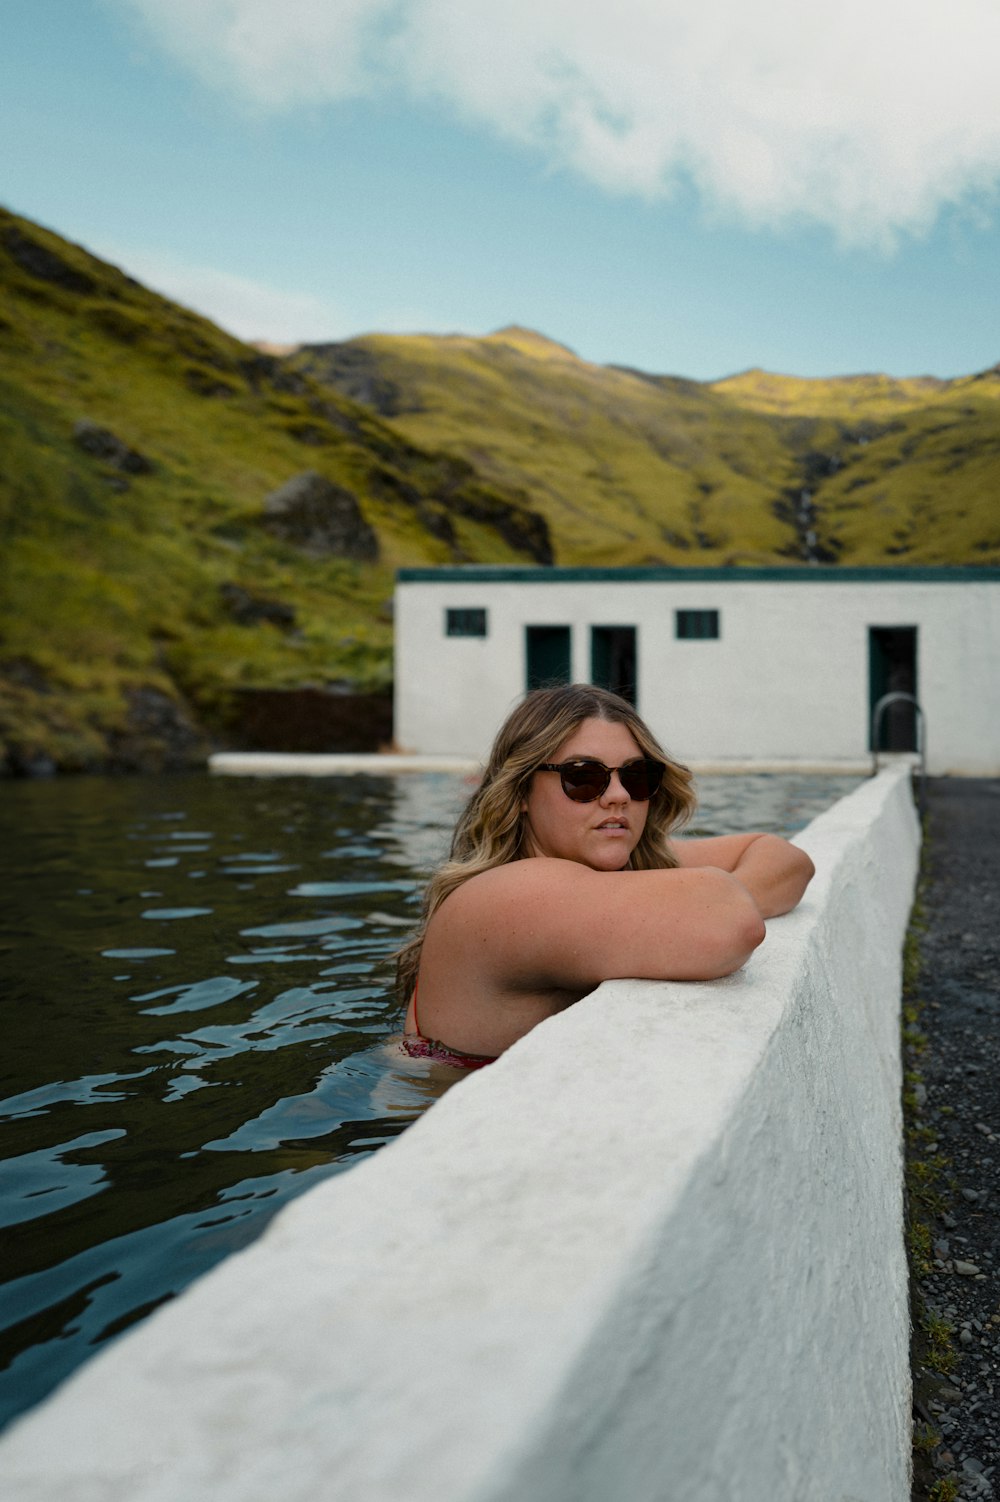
(892, 668)
(613, 660)
(547, 655)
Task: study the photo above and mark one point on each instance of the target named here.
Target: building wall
(655, 1252)
(787, 678)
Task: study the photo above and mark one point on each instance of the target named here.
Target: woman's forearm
(774, 872)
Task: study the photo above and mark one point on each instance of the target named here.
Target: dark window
(547, 653)
(612, 659)
(465, 622)
(697, 625)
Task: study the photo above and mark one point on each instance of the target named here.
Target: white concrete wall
(787, 678)
(654, 1253)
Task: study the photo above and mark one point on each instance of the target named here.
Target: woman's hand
(774, 872)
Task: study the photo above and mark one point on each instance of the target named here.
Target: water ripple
(157, 1117)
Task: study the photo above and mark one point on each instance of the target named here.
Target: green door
(547, 654)
(612, 659)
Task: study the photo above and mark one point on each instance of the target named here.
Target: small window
(465, 622)
(697, 625)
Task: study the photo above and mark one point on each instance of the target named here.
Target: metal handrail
(896, 697)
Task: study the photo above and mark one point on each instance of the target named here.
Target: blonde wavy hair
(490, 829)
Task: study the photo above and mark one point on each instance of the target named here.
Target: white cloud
(868, 116)
(276, 53)
(245, 307)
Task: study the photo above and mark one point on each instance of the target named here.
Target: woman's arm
(556, 923)
(517, 943)
(774, 872)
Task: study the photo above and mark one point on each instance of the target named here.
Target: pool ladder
(878, 713)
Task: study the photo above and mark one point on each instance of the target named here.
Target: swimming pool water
(196, 1015)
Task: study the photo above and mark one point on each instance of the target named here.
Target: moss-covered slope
(143, 582)
(631, 468)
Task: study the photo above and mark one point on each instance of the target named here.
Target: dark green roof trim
(498, 573)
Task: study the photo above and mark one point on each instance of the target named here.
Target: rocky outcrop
(354, 371)
(150, 730)
(249, 609)
(41, 262)
(456, 492)
(390, 487)
(101, 443)
(525, 529)
(157, 735)
(314, 514)
(205, 382)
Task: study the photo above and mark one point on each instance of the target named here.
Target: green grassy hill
(630, 468)
(194, 531)
(902, 471)
(144, 587)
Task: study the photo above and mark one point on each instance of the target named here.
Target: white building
(755, 664)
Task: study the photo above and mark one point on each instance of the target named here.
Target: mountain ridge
(193, 525)
(631, 467)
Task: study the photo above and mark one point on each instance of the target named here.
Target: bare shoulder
(524, 879)
(492, 901)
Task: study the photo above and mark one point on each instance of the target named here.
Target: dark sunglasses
(586, 781)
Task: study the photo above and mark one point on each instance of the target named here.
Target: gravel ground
(953, 1050)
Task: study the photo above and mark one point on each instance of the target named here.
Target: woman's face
(601, 834)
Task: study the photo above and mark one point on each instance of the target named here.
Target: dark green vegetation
(192, 528)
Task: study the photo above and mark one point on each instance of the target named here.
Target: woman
(562, 875)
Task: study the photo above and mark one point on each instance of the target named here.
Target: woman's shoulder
(519, 883)
(526, 874)
(514, 880)
(539, 882)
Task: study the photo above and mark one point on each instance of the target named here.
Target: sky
(689, 187)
